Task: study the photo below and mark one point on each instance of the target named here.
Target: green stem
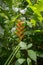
(11, 55)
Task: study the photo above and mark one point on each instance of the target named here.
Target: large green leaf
(39, 6)
(19, 61)
(35, 9)
(3, 15)
(32, 55)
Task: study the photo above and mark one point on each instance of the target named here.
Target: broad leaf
(19, 61)
(23, 45)
(32, 54)
(29, 45)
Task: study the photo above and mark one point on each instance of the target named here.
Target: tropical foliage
(15, 49)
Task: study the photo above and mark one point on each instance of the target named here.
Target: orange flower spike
(18, 34)
(17, 25)
(21, 32)
(21, 23)
(20, 29)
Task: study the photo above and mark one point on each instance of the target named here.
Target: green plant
(13, 50)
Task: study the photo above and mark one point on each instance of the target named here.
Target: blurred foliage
(14, 51)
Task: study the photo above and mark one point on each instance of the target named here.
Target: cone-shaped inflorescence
(20, 29)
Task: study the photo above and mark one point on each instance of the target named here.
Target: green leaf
(29, 2)
(23, 45)
(29, 61)
(13, 20)
(35, 9)
(3, 15)
(29, 24)
(33, 22)
(19, 61)
(32, 54)
(30, 45)
(18, 55)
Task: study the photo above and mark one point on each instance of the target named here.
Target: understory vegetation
(21, 32)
